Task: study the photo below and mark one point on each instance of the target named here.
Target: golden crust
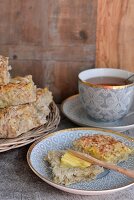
(20, 90)
(103, 147)
(19, 119)
(4, 70)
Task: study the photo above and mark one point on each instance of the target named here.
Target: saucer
(72, 109)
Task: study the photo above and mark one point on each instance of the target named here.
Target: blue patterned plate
(73, 110)
(112, 182)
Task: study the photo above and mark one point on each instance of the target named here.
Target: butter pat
(69, 160)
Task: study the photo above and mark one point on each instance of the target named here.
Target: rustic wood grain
(59, 76)
(72, 22)
(20, 52)
(52, 40)
(115, 34)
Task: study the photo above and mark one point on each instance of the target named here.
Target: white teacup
(104, 102)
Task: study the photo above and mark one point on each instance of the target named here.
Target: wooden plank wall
(56, 39)
(115, 34)
(51, 39)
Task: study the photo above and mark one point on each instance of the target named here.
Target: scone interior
(16, 120)
(20, 90)
(103, 147)
(65, 175)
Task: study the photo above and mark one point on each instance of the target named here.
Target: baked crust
(103, 147)
(20, 90)
(4, 70)
(16, 120)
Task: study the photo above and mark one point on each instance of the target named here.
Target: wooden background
(56, 39)
(115, 34)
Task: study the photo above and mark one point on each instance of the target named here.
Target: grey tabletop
(18, 182)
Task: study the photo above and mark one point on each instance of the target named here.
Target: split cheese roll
(103, 147)
(68, 169)
(16, 120)
(20, 90)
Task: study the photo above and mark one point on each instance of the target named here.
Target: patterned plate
(73, 110)
(112, 182)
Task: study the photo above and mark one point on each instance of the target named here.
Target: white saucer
(73, 110)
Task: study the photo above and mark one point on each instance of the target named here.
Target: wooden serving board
(115, 34)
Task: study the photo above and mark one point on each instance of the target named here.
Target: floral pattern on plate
(60, 140)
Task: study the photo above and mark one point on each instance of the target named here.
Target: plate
(73, 110)
(60, 140)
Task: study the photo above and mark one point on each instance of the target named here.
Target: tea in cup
(105, 93)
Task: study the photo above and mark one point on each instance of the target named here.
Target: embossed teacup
(105, 102)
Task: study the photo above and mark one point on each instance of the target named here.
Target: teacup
(105, 102)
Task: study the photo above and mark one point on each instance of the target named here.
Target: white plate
(73, 110)
(112, 182)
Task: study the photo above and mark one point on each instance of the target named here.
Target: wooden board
(115, 34)
(51, 39)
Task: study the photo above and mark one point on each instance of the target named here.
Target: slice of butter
(69, 160)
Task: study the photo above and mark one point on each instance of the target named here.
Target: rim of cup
(98, 72)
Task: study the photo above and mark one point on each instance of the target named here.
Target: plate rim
(71, 190)
(82, 124)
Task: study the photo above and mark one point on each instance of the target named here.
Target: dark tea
(109, 81)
